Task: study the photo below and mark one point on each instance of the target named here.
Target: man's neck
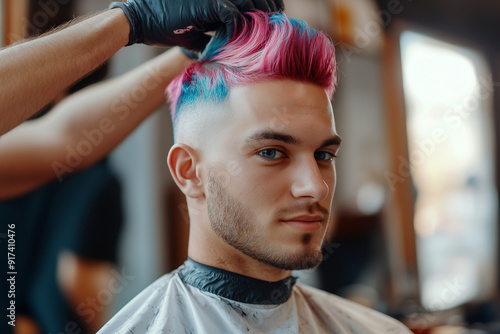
(238, 265)
(234, 286)
(225, 257)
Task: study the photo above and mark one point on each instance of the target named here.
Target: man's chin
(310, 260)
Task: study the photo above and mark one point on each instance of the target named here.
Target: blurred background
(416, 207)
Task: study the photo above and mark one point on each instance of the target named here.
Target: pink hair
(263, 48)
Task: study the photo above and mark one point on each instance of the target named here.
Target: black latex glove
(183, 22)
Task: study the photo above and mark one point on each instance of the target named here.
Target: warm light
(435, 73)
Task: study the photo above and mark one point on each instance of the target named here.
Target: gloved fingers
(269, 5)
(132, 18)
(280, 5)
(263, 5)
(272, 6)
(228, 16)
(243, 5)
(196, 41)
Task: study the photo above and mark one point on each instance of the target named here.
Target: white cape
(171, 306)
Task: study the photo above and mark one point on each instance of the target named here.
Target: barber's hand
(183, 22)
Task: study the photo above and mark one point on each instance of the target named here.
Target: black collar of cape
(234, 286)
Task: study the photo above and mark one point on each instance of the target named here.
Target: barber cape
(196, 298)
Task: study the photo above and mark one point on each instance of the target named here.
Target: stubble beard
(236, 225)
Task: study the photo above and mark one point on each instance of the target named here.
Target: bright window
(448, 94)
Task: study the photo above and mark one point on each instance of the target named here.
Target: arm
(84, 127)
(34, 72)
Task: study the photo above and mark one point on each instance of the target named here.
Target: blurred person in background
(69, 228)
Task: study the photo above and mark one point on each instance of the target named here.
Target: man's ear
(182, 161)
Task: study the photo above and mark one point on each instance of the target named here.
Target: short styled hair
(264, 47)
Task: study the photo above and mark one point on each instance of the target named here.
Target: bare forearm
(118, 106)
(35, 72)
(84, 127)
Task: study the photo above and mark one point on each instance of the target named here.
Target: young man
(254, 153)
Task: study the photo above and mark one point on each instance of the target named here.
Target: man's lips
(306, 218)
(305, 223)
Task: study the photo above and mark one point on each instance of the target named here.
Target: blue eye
(324, 156)
(269, 153)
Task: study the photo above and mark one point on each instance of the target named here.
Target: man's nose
(308, 181)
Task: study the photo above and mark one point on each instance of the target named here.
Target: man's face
(271, 173)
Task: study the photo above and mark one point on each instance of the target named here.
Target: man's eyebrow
(271, 135)
(335, 140)
(288, 139)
